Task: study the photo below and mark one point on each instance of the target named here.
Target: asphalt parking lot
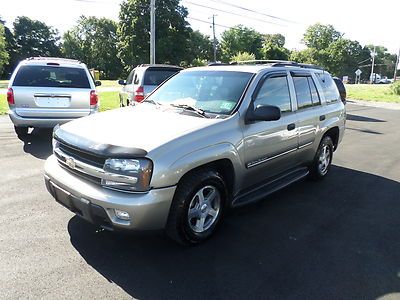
(335, 239)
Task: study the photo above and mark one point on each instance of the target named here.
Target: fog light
(123, 215)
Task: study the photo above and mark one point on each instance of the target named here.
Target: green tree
(240, 39)
(11, 49)
(384, 61)
(320, 36)
(200, 48)
(273, 47)
(3, 51)
(94, 42)
(243, 56)
(35, 38)
(172, 32)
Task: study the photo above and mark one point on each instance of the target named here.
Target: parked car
(341, 88)
(44, 92)
(215, 138)
(142, 80)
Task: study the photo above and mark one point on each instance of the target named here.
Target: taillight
(94, 98)
(139, 94)
(10, 96)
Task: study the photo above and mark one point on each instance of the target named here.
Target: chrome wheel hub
(204, 208)
(324, 159)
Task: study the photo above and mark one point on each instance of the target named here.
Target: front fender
(171, 175)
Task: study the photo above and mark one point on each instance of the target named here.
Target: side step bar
(269, 187)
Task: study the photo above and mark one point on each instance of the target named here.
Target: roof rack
(53, 58)
(159, 65)
(277, 63)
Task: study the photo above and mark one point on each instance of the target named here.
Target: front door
(270, 147)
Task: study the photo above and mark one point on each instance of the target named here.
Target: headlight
(130, 174)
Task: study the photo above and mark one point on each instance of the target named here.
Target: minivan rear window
(51, 76)
(157, 76)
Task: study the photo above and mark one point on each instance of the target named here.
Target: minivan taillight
(139, 94)
(94, 98)
(10, 96)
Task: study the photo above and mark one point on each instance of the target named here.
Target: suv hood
(142, 127)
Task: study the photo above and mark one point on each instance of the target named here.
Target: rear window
(46, 76)
(329, 88)
(157, 76)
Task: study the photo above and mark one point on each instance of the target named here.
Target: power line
(195, 19)
(253, 11)
(232, 13)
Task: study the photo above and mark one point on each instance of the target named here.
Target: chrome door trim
(266, 159)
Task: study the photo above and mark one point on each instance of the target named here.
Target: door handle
(291, 126)
(322, 118)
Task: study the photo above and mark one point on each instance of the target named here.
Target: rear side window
(130, 77)
(306, 92)
(329, 88)
(46, 76)
(157, 76)
(275, 92)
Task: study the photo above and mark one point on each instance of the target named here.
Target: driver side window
(274, 91)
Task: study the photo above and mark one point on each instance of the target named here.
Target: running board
(269, 187)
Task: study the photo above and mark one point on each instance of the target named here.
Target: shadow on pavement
(38, 143)
(363, 119)
(337, 238)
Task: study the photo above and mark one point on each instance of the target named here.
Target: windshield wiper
(191, 108)
(152, 102)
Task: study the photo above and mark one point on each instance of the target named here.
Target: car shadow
(38, 143)
(363, 119)
(335, 238)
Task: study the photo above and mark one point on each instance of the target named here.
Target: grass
(3, 84)
(3, 104)
(108, 100)
(372, 92)
(109, 83)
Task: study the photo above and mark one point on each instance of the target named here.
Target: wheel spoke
(200, 224)
(212, 212)
(200, 195)
(194, 213)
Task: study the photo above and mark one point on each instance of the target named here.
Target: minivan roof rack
(159, 65)
(53, 58)
(277, 63)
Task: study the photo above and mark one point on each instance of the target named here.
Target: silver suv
(142, 80)
(215, 137)
(45, 91)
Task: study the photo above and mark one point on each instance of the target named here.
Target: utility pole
(152, 32)
(372, 79)
(214, 38)
(395, 67)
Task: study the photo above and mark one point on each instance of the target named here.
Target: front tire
(197, 207)
(323, 159)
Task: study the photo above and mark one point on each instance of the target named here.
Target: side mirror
(122, 82)
(97, 83)
(264, 113)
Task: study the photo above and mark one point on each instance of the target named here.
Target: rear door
(127, 89)
(51, 91)
(154, 76)
(308, 113)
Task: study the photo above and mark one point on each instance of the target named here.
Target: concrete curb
(386, 105)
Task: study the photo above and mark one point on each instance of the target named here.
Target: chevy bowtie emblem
(70, 162)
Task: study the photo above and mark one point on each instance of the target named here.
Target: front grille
(82, 175)
(83, 156)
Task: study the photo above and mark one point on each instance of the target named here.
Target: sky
(369, 22)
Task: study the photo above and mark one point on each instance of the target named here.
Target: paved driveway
(336, 239)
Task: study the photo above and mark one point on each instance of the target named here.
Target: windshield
(46, 76)
(212, 91)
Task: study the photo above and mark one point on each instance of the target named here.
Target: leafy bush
(396, 88)
(241, 56)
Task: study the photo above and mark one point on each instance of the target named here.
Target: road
(335, 239)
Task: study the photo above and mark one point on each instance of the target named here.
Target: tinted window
(274, 91)
(303, 92)
(314, 93)
(213, 91)
(130, 77)
(157, 76)
(329, 88)
(46, 76)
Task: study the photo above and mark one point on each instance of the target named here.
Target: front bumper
(148, 211)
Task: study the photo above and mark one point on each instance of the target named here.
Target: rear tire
(21, 131)
(323, 159)
(197, 207)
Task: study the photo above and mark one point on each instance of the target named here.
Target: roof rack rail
(158, 65)
(218, 64)
(277, 63)
(53, 58)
